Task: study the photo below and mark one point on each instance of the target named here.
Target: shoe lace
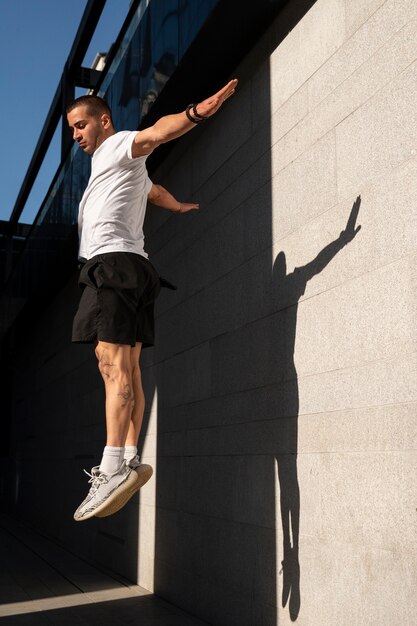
(97, 479)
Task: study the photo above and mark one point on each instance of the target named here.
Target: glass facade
(158, 36)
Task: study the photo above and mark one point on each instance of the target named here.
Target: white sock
(112, 459)
(130, 452)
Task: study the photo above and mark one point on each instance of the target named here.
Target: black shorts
(117, 303)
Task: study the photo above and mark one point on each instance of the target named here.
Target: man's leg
(114, 481)
(138, 398)
(115, 365)
(143, 471)
(119, 367)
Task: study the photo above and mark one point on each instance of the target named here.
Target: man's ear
(105, 120)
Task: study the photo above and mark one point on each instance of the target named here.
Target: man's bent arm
(161, 197)
(170, 127)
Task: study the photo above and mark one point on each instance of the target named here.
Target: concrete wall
(281, 392)
(286, 362)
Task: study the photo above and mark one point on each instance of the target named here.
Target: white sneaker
(134, 461)
(142, 472)
(107, 490)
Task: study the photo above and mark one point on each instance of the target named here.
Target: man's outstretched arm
(172, 126)
(161, 197)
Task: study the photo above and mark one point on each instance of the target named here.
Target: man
(119, 283)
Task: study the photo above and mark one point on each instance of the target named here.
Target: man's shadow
(287, 291)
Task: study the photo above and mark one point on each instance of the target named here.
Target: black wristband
(190, 117)
(197, 114)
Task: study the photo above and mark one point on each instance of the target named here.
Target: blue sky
(35, 39)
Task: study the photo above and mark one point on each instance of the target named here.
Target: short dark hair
(96, 106)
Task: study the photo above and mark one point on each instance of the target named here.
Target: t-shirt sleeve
(128, 143)
(148, 184)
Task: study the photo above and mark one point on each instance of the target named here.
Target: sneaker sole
(125, 485)
(137, 478)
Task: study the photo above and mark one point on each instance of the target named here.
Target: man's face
(88, 131)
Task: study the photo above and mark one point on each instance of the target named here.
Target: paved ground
(41, 585)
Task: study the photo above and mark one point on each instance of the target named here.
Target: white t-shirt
(112, 209)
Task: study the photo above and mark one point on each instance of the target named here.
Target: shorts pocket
(88, 276)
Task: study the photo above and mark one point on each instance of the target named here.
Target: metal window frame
(71, 77)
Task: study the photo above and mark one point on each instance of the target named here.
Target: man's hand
(211, 105)
(184, 207)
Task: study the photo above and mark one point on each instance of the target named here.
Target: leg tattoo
(126, 395)
(105, 366)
